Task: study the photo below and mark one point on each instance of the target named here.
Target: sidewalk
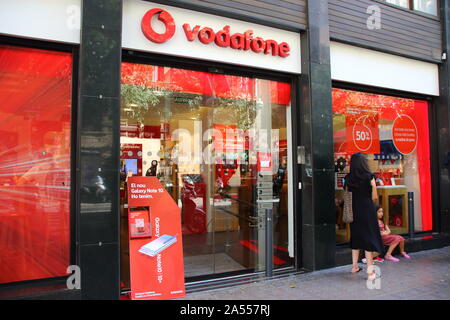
(425, 277)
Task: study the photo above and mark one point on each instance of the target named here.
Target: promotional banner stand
(156, 251)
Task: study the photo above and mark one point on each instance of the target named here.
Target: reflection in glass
(218, 144)
(400, 3)
(427, 6)
(35, 101)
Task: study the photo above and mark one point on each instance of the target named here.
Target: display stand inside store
(394, 200)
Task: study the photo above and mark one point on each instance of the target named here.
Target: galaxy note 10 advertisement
(156, 251)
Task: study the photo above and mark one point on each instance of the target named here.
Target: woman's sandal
(359, 269)
(405, 255)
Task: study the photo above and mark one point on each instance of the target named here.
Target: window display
(393, 133)
(219, 145)
(35, 126)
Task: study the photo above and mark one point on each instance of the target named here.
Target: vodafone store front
(218, 139)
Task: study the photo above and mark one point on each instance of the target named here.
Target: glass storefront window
(427, 6)
(393, 133)
(400, 3)
(35, 113)
(219, 144)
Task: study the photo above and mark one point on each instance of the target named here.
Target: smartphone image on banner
(156, 246)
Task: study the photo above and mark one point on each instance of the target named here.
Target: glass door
(219, 145)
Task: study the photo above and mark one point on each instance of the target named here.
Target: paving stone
(425, 277)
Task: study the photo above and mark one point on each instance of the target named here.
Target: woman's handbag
(347, 215)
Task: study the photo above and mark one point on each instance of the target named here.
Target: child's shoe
(405, 255)
(378, 259)
(391, 258)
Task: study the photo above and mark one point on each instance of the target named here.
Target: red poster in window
(362, 133)
(156, 261)
(264, 162)
(404, 134)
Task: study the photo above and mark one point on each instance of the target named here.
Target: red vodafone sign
(165, 18)
(245, 40)
(404, 134)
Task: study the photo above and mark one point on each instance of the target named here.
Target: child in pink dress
(391, 240)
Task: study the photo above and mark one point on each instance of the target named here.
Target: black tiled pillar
(443, 123)
(317, 175)
(98, 149)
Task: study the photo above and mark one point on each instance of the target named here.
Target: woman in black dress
(364, 231)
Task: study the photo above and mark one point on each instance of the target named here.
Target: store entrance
(219, 145)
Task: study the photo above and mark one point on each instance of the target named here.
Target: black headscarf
(359, 171)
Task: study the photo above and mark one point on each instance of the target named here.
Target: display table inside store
(343, 235)
(394, 200)
(226, 215)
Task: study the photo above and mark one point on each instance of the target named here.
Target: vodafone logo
(244, 41)
(164, 17)
(362, 135)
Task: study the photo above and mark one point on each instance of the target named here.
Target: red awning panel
(197, 82)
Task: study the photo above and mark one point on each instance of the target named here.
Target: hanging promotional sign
(264, 163)
(362, 131)
(156, 252)
(404, 134)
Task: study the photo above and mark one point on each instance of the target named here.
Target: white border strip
(373, 68)
(54, 20)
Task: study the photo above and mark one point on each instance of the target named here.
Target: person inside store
(389, 239)
(279, 178)
(151, 172)
(364, 231)
(123, 171)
